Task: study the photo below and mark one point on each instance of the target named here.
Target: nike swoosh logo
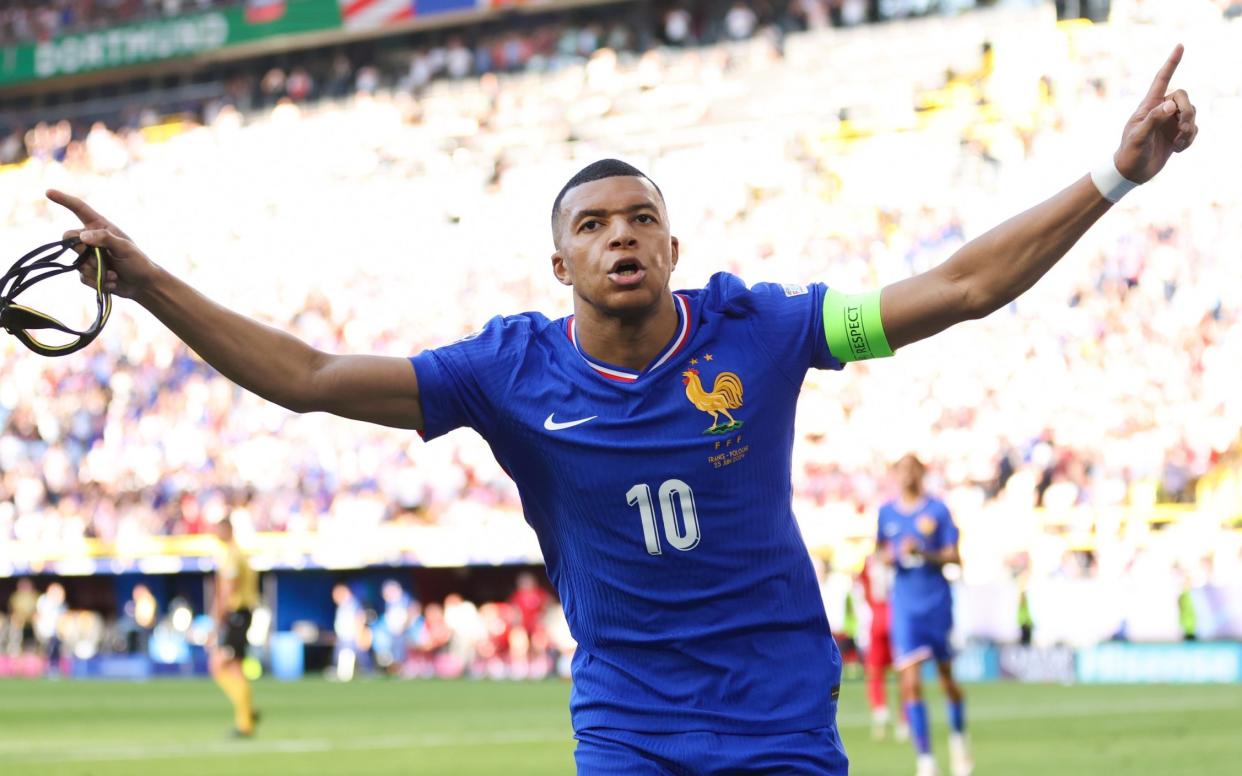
(552, 425)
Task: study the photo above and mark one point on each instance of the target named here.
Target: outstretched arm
(271, 363)
(993, 269)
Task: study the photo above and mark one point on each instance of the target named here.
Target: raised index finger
(85, 213)
(1160, 86)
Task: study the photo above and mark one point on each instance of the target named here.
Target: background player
(674, 549)
(919, 538)
(875, 581)
(236, 596)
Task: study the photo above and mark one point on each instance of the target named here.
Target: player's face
(614, 244)
(910, 473)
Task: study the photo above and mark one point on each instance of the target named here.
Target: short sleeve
(788, 319)
(947, 532)
(458, 383)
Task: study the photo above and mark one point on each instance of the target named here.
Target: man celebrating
(917, 535)
(650, 436)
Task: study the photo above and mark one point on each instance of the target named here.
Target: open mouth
(627, 273)
(626, 268)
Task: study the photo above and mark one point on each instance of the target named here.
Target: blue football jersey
(661, 501)
(920, 589)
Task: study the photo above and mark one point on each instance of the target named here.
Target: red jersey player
(876, 581)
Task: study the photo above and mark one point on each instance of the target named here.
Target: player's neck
(910, 499)
(632, 342)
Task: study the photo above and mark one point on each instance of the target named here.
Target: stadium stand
(28, 20)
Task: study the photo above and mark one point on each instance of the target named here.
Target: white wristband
(1111, 183)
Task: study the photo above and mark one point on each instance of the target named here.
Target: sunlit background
(376, 176)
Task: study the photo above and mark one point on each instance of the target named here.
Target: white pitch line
(1069, 710)
(286, 746)
(25, 703)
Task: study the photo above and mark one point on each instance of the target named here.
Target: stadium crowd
(677, 23)
(524, 636)
(396, 219)
(545, 42)
(22, 21)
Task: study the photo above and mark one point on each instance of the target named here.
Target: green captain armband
(852, 326)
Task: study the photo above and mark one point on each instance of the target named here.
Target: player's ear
(560, 268)
(676, 250)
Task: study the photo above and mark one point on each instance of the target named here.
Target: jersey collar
(919, 506)
(623, 375)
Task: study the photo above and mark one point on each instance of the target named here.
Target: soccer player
(918, 537)
(875, 579)
(234, 602)
(650, 436)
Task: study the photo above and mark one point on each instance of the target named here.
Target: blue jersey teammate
(650, 437)
(917, 535)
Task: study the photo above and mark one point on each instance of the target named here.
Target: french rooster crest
(725, 395)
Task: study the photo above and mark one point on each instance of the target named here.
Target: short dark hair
(604, 168)
(915, 458)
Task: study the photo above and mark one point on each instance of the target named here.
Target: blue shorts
(611, 752)
(916, 639)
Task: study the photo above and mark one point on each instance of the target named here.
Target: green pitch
(426, 727)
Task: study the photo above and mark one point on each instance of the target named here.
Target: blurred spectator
(340, 77)
(272, 86)
(367, 79)
(531, 602)
(458, 61)
(48, 621)
(433, 644)
(467, 628)
(740, 21)
(678, 27)
(350, 628)
(849, 13)
(299, 86)
(137, 620)
(22, 605)
(393, 627)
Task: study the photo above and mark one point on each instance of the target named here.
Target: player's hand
(1163, 125)
(910, 547)
(130, 272)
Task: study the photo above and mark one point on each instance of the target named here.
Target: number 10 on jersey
(673, 494)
